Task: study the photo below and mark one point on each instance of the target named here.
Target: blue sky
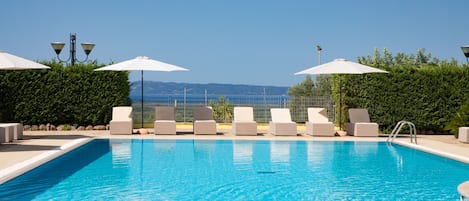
(260, 42)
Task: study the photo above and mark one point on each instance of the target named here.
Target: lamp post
(319, 53)
(58, 46)
(465, 50)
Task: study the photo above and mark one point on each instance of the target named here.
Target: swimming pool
(124, 169)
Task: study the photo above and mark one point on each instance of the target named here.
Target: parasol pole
(142, 98)
(340, 104)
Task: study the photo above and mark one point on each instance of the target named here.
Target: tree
(309, 94)
(222, 110)
(305, 88)
(420, 59)
(324, 85)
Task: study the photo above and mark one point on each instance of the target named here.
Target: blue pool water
(240, 170)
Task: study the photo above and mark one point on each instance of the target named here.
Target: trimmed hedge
(62, 95)
(428, 96)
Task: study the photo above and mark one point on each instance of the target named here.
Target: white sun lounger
(281, 123)
(243, 121)
(121, 122)
(318, 124)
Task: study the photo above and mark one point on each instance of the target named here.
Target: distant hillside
(152, 87)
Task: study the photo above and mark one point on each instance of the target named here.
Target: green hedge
(62, 95)
(428, 96)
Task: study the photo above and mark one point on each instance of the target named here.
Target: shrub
(460, 119)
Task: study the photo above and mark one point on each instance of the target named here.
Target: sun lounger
(10, 132)
(318, 124)
(16, 130)
(203, 121)
(165, 121)
(6, 133)
(18, 135)
(243, 122)
(121, 122)
(360, 124)
(281, 123)
(463, 134)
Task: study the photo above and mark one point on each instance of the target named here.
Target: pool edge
(434, 151)
(18, 169)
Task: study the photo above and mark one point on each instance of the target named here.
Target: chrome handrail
(397, 129)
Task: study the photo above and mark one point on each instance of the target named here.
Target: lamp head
(318, 48)
(58, 46)
(87, 47)
(465, 50)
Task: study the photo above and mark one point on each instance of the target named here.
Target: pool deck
(38, 147)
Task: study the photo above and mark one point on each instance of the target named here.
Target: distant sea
(193, 99)
(170, 93)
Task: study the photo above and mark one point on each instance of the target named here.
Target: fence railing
(261, 105)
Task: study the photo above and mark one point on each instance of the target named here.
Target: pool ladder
(397, 129)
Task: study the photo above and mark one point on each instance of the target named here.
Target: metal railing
(260, 103)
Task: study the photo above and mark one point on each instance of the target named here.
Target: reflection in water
(320, 153)
(204, 149)
(207, 146)
(365, 148)
(397, 156)
(164, 145)
(121, 151)
(242, 153)
(279, 152)
(315, 153)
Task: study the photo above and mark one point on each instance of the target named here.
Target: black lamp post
(58, 46)
(465, 50)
